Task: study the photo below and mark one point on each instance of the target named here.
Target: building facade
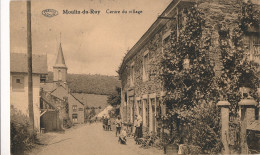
(142, 90)
(60, 89)
(19, 83)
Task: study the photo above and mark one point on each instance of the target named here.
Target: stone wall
(218, 14)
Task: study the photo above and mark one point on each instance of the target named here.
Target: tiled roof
(19, 63)
(48, 87)
(61, 92)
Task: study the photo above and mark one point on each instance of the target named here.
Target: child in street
(122, 136)
(109, 124)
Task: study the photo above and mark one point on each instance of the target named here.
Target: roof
(48, 87)
(255, 126)
(105, 112)
(19, 63)
(154, 28)
(60, 61)
(92, 100)
(61, 92)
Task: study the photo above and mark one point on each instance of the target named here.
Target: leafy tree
(115, 98)
(92, 112)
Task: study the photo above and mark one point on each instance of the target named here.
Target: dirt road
(91, 140)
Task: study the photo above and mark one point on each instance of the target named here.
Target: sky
(91, 43)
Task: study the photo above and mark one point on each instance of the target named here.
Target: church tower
(60, 68)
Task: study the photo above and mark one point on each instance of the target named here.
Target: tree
(92, 112)
(115, 98)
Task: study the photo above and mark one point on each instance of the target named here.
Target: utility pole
(29, 55)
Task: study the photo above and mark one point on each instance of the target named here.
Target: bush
(22, 138)
(67, 123)
(202, 129)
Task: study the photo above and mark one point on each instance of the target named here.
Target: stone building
(142, 90)
(59, 89)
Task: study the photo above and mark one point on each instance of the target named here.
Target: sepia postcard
(125, 77)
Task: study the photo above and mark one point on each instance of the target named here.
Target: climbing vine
(238, 70)
(189, 77)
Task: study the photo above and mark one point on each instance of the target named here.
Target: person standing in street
(118, 125)
(109, 124)
(138, 127)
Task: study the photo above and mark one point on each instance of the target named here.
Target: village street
(91, 139)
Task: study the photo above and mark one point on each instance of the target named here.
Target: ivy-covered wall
(155, 52)
(219, 15)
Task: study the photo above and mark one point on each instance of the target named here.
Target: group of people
(122, 135)
(107, 123)
(138, 129)
(121, 131)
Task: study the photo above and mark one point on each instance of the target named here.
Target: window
(145, 66)
(132, 75)
(59, 75)
(43, 78)
(74, 108)
(252, 42)
(166, 39)
(158, 108)
(75, 118)
(18, 82)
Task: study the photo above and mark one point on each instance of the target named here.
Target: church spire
(60, 61)
(60, 68)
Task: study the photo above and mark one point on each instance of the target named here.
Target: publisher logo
(49, 12)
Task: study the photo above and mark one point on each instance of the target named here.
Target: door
(75, 118)
(50, 121)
